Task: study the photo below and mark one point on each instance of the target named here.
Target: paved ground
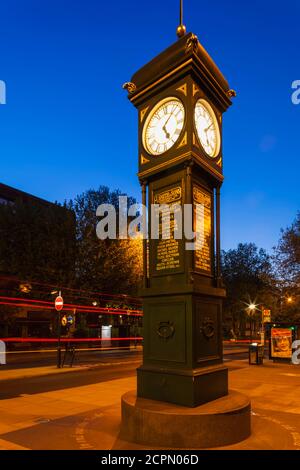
(83, 357)
(39, 363)
(81, 410)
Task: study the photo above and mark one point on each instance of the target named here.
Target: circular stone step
(219, 423)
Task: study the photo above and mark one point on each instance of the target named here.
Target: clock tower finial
(181, 30)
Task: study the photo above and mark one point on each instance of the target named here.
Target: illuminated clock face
(163, 126)
(207, 128)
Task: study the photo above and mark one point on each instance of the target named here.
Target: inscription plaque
(202, 226)
(167, 251)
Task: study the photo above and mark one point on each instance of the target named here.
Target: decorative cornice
(164, 77)
(181, 158)
(164, 164)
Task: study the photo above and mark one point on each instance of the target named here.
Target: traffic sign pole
(59, 303)
(59, 343)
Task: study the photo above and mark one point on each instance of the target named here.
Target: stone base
(190, 388)
(219, 423)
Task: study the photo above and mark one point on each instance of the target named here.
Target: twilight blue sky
(67, 125)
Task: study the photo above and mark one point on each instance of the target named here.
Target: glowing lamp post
(251, 310)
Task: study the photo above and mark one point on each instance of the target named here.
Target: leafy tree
(287, 254)
(113, 266)
(287, 265)
(248, 277)
(51, 244)
(57, 245)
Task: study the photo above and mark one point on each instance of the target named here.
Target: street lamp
(251, 309)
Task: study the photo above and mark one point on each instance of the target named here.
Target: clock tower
(182, 398)
(181, 97)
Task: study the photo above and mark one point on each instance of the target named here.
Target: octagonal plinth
(219, 423)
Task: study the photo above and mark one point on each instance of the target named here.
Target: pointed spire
(181, 30)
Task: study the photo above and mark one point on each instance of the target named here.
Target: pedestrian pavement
(41, 371)
(34, 372)
(88, 416)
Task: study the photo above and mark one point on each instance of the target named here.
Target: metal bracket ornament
(166, 330)
(183, 89)
(183, 141)
(130, 87)
(231, 93)
(219, 162)
(192, 44)
(195, 89)
(208, 328)
(144, 160)
(143, 112)
(195, 141)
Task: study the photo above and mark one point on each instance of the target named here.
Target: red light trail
(78, 292)
(66, 340)
(46, 305)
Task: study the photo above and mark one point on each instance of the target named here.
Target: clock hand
(165, 126)
(207, 141)
(205, 130)
(171, 114)
(167, 134)
(166, 131)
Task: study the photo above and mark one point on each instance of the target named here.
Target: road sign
(59, 303)
(64, 320)
(267, 316)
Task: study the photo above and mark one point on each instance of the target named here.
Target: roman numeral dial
(207, 128)
(163, 126)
